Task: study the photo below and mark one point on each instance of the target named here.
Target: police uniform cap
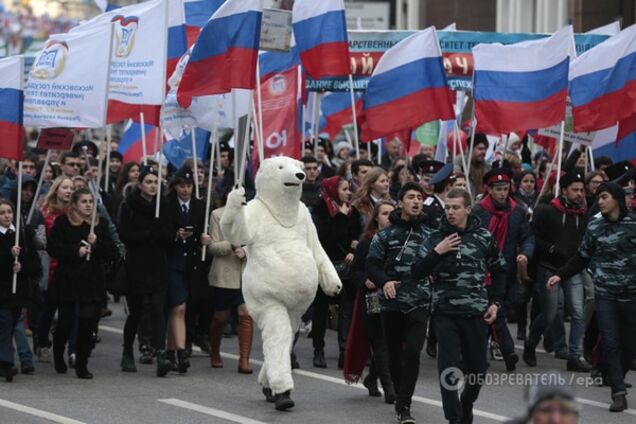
(442, 175)
(621, 172)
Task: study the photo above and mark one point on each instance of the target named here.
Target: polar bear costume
(285, 262)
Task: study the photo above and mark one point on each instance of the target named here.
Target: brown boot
(246, 326)
(216, 333)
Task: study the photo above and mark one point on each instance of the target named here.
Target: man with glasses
(70, 164)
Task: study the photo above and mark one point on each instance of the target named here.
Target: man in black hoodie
(457, 257)
(406, 300)
(610, 243)
(559, 227)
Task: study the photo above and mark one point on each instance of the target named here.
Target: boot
(163, 365)
(319, 358)
(171, 356)
(184, 361)
(283, 401)
(7, 371)
(128, 363)
(216, 333)
(58, 358)
(619, 403)
(269, 396)
(529, 355)
(84, 345)
(245, 343)
(371, 383)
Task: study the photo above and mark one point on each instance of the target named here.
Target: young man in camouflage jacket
(457, 256)
(406, 301)
(609, 250)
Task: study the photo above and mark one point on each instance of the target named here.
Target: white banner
(138, 67)
(68, 83)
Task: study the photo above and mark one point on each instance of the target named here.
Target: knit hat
(549, 386)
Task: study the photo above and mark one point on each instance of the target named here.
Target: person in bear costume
(285, 264)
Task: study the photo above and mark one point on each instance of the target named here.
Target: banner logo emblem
(50, 63)
(125, 31)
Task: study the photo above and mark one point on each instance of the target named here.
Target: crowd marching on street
(457, 249)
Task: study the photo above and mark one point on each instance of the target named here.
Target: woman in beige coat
(225, 279)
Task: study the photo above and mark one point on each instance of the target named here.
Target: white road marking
(38, 413)
(210, 411)
(602, 405)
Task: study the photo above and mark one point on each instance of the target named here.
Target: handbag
(372, 302)
(343, 269)
(117, 281)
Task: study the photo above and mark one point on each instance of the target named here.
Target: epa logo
(452, 379)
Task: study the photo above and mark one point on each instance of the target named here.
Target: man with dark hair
(441, 184)
(311, 185)
(558, 227)
(602, 162)
(610, 243)
(478, 166)
(507, 222)
(359, 169)
(457, 257)
(406, 300)
(70, 164)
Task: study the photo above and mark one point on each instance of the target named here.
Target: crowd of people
(433, 256)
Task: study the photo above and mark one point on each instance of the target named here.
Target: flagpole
(314, 123)
(143, 138)
(246, 143)
(461, 152)
(560, 158)
(473, 123)
(261, 145)
(209, 192)
(47, 159)
(379, 142)
(355, 118)
(159, 172)
(236, 139)
(545, 181)
(109, 136)
(218, 157)
(95, 191)
(18, 221)
(454, 153)
(591, 154)
(259, 135)
(195, 165)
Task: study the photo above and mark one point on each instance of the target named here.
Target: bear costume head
(279, 185)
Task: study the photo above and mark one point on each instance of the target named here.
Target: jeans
(572, 293)
(22, 342)
(462, 349)
(617, 325)
(405, 335)
(8, 320)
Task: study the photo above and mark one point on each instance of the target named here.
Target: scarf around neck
(498, 225)
(329, 193)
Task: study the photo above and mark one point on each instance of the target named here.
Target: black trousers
(87, 315)
(156, 302)
(404, 334)
(345, 301)
(461, 350)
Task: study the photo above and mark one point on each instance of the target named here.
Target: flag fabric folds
(524, 85)
(225, 54)
(603, 82)
(179, 150)
(320, 32)
(197, 13)
(130, 145)
(422, 94)
(11, 100)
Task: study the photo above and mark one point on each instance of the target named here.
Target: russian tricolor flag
(130, 145)
(335, 110)
(225, 54)
(11, 102)
(408, 87)
(617, 142)
(177, 42)
(320, 31)
(524, 85)
(603, 83)
(197, 13)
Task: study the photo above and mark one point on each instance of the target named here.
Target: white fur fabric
(285, 261)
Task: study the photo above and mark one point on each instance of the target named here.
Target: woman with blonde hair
(374, 188)
(53, 205)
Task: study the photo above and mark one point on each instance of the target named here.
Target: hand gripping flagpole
(209, 192)
(355, 118)
(18, 221)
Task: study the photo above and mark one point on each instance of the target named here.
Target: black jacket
(28, 259)
(336, 233)
(184, 255)
(76, 278)
(147, 239)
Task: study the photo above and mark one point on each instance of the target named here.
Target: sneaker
(619, 403)
(305, 327)
(404, 417)
(44, 355)
(146, 355)
(495, 352)
(27, 368)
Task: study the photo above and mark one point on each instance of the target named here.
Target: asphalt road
(206, 395)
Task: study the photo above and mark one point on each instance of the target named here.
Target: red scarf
(498, 225)
(357, 350)
(329, 193)
(559, 205)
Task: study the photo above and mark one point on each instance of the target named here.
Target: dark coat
(23, 288)
(76, 278)
(336, 233)
(184, 255)
(147, 239)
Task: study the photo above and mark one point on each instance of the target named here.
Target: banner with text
(366, 48)
(68, 82)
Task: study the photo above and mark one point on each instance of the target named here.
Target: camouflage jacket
(391, 254)
(459, 278)
(609, 250)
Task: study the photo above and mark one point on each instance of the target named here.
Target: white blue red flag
(335, 110)
(197, 14)
(130, 145)
(408, 87)
(603, 82)
(320, 31)
(225, 54)
(524, 85)
(11, 101)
